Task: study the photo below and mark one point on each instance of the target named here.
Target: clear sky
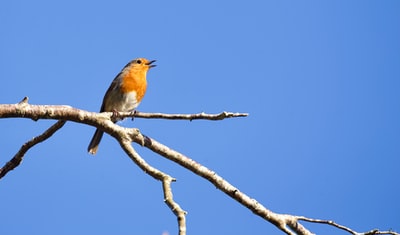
(320, 80)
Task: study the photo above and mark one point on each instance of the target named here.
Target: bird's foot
(115, 116)
(133, 113)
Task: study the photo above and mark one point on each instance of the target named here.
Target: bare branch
(334, 224)
(35, 112)
(283, 222)
(166, 180)
(213, 117)
(289, 224)
(17, 159)
(175, 208)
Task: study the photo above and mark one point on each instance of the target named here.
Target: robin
(124, 94)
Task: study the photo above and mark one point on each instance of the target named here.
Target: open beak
(150, 64)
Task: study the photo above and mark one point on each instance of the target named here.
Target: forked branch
(125, 142)
(289, 224)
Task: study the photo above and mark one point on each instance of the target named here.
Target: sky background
(320, 80)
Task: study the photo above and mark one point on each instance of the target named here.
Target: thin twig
(17, 159)
(190, 117)
(158, 175)
(332, 223)
(175, 208)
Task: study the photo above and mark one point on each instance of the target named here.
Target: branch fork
(289, 224)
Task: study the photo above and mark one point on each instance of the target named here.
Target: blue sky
(320, 80)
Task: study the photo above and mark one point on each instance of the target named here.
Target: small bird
(124, 94)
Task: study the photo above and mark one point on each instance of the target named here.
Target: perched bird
(124, 94)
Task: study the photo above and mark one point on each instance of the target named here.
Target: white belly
(124, 103)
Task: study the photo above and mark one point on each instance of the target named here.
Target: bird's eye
(138, 61)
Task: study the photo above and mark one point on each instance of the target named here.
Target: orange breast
(135, 80)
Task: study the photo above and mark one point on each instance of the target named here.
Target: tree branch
(17, 159)
(286, 223)
(334, 224)
(190, 117)
(166, 180)
(289, 224)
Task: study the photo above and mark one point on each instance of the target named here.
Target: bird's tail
(94, 143)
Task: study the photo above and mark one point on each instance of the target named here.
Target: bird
(124, 94)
